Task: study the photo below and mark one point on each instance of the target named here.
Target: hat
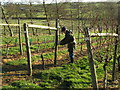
(63, 29)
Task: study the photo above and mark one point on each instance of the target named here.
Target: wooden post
(115, 55)
(43, 63)
(91, 61)
(28, 49)
(56, 42)
(20, 39)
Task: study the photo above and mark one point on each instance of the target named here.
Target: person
(70, 40)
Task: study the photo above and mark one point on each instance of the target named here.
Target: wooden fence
(26, 27)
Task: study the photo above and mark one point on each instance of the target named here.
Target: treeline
(64, 9)
(95, 12)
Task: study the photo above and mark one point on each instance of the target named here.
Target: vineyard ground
(19, 73)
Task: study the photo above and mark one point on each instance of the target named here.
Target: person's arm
(66, 40)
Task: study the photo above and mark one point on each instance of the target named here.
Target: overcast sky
(52, 1)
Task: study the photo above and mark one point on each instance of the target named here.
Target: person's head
(63, 30)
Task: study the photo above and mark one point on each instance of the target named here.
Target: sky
(52, 1)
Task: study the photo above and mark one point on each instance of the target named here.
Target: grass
(47, 56)
(12, 50)
(76, 75)
(23, 61)
(41, 39)
(21, 85)
(67, 76)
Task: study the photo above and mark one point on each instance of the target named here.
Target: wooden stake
(43, 63)
(56, 42)
(28, 49)
(91, 61)
(20, 39)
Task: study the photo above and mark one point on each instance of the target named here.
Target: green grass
(22, 85)
(67, 76)
(40, 39)
(23, 61)
(47, 56)
(76, 75)
(12, 50)
(18, 62)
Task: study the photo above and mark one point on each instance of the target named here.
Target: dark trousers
(71, 47)
(71, 55)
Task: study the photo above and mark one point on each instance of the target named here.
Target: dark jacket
(69, 39)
